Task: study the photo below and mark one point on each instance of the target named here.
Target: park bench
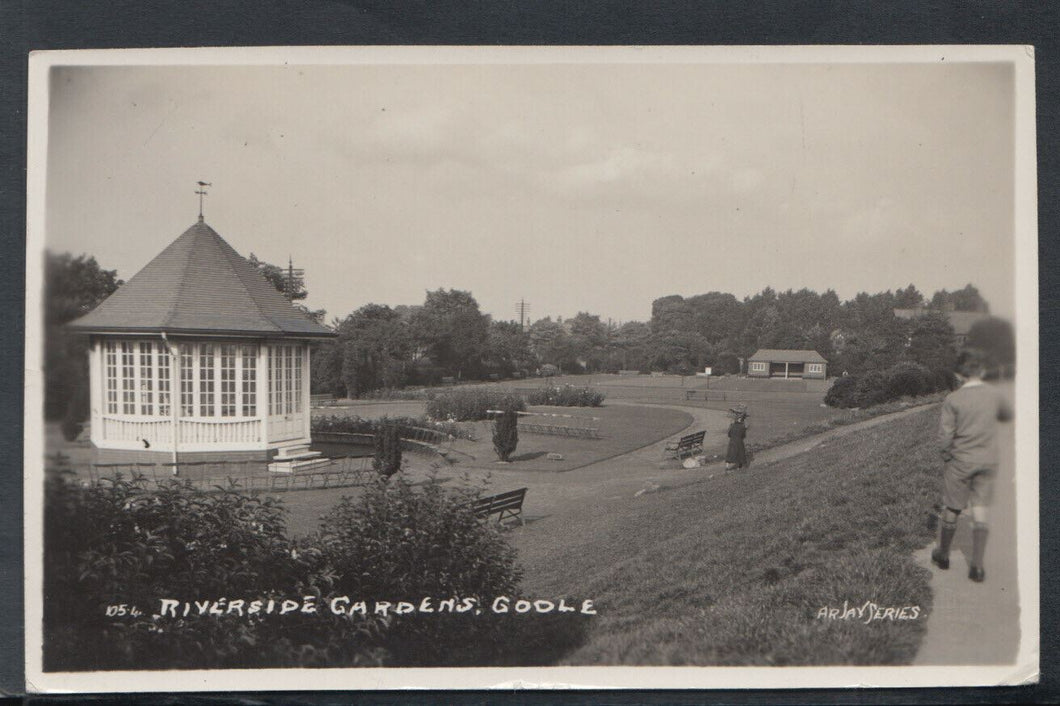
(504, 506)
(688, 445)
(324, 400)
(707, 395)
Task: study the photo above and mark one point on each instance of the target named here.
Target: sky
(592, 187)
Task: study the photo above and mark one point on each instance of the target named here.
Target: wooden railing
(192, 431)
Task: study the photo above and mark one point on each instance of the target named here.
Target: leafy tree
(967, 299)
(326, 367)
(73, 286)
(508, 348)
(588, 338)
(908, 298)
(453, 331)
(551, 344)
(630, 346)
(932, 343)
(278, 278)
(671, 313)
(716, 316)
(680, 352)
(376, 344)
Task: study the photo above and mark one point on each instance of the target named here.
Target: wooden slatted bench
(504, 506)
(688, 445)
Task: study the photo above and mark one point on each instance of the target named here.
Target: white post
(306, 379)
(263, 391)
(174, 393)
(96, 382)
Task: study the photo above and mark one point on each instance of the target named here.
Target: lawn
(623, 428)
(734, 570)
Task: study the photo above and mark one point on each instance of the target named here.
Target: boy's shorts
(963, 482)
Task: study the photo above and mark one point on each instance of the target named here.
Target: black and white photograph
(405, 367)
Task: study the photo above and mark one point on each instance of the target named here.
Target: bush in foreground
(127, 545)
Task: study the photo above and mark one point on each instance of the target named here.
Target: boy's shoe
(976, 573)
(943, 562)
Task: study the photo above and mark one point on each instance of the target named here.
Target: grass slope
(733, 571)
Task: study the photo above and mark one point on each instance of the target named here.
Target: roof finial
(202, 192)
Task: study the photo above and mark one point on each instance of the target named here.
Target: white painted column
(306, 377)
(96, 381)
(263, 392)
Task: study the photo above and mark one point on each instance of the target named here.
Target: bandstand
(198, 354)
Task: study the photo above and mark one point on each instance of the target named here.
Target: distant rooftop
(775, 355)
(199, 285)
(961, 321)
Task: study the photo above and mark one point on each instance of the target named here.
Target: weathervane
(202, 192)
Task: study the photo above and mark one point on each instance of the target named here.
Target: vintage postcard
(538, 367)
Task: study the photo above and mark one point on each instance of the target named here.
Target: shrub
(506, 434)
(123, 543)
(386, 457)
(905, 379)
(909, 380)
(471, 404)
(566, 396)
(728, 363)
(357, 425)
(842, 393)
(401, 544)
(871, 389)
(549, 370)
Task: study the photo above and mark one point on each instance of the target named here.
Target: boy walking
(968, 442)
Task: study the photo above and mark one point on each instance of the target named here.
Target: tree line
(449, 337)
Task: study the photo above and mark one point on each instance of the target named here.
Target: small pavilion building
(786, 363)
(199, 355)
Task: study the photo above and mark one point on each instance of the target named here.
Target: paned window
(111, 366)
(163, 381)
(146, 378)
(128, 377)
(228, 381)
(250, 381)
(296, 357)
(187, 380)
(206, 380)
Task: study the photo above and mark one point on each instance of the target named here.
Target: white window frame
(139, 380)
(759, 367)
(814, 368)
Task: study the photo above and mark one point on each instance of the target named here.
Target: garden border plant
(124, 543)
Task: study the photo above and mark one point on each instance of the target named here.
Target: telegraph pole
(522, 307)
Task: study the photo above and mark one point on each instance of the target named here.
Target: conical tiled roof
(199, 284)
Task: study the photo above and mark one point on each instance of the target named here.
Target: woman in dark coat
(736, 454)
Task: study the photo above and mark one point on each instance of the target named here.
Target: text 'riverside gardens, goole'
(344, 605)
